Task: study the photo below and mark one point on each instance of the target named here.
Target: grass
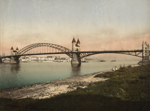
(131, 84)
(127, 89)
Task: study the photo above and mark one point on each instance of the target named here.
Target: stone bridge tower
(76, 61)
(14, 52)
(1, 59)
(145, 53)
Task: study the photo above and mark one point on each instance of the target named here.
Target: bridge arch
(36, 45)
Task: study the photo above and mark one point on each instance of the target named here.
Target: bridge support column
(76, 61)
(14, 60)
(145, 53)
(1, 59)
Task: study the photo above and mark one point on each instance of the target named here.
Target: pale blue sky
(23, 22)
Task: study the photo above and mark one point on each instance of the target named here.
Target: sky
(99, 24)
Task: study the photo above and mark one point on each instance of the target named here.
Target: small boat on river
(113, 60)
(102, 61)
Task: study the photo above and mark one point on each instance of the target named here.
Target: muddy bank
(144, 62)
(52, 88)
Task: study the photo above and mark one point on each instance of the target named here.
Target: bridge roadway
(84, 53)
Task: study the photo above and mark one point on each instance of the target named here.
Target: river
(16, 75)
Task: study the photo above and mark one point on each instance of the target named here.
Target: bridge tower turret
(145, 53)
(73, 45)
(76, 61)
(12, 51)
(17, 51)
(14, 59)
(78, 45)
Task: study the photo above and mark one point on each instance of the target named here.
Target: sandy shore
(52, 88)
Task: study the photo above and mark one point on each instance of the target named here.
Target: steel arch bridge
(69, 52)
(75, 53)
(63, 50)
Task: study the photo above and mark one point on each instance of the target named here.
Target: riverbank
(127, 89)
(52, 88)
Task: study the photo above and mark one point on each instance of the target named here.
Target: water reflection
(9, 75)
(76, 70)
(15, 68)
(14, 75)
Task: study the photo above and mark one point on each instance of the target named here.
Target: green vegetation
(128, 84)
(127, 89)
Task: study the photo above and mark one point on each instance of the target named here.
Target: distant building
(50, 56)
(57, 58)
(42, 58)
(63, 58)
(38, 58)
(30, 59)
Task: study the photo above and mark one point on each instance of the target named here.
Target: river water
(15, 75)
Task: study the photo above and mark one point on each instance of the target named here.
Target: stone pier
(14, 60)
(76, 61)
(145, 53)
(1, 59)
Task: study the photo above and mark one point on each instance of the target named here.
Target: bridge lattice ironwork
(63, 50)
(126, 52)
(26, 49)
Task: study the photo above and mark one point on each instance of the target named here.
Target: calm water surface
(15, 75)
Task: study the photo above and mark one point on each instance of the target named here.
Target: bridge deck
(81, 52)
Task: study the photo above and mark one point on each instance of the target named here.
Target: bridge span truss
(49, 48)
(126, 52)
(37, 45)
